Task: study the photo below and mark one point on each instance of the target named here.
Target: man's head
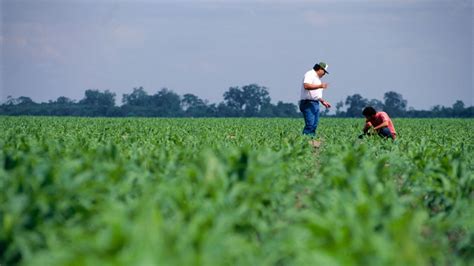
(369, 112)
(321, 69)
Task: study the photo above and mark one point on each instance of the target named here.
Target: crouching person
(380, 122)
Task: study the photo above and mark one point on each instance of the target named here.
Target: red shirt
(379, 118)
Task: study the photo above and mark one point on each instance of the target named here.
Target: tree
(234, 99)
(166, 103)
(356, 104)
(376, 104)
(394, 104)
(10, 100)
(97, 98)
(247, 101)
(458, 107)
(281, 109)
(194, 106)
(436, 108)
(63, 100)
(254, 97)
(139, 97)
(190, 101)
(339, 105)
(22, 100)
(286, 110)
(97, 103)
(224, 110)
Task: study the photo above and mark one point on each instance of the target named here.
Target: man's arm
(367, 126)
(323, 102)
(384, 124)
(309, 86)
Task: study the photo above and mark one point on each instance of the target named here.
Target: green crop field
(83, 191)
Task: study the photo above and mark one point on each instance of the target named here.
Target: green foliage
(83, 191)
(249, 101)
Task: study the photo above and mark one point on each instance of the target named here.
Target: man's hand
(324, 85)
(326, 104)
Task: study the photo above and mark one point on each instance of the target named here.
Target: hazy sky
(420, 48)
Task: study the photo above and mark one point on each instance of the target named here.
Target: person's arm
(324, 103)
(384, 124)
(367, 126)
(309, 86)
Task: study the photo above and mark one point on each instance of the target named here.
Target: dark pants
(383, 132)
(310, 111)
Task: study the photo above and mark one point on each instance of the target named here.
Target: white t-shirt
(311, 78)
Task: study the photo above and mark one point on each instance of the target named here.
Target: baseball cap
(324, 66)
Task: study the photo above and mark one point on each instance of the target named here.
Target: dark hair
(369, 111)
(317, 67)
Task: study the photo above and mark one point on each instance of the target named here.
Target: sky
(422, 49)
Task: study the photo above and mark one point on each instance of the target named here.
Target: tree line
(394, 104)
(247, 101)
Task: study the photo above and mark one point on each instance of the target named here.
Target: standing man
(380, 121)
(311, 96)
